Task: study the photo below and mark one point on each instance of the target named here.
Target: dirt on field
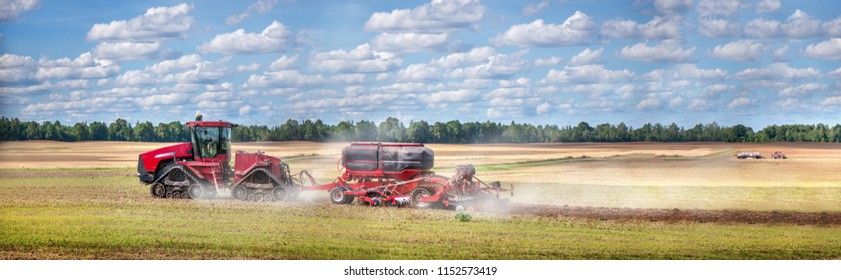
(678, 216)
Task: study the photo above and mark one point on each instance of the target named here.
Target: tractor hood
(149, 160)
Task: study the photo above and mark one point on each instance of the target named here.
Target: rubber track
(169, 169)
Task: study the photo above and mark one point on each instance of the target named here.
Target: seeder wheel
(337, 195)
(417, 194)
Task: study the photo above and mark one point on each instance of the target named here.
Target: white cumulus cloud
(83, 67)
(246, 110)
(543, 108)
(588, 74)
(832, 101)
(778, 71)
(767, 6)
(575, 30)
(174, 65)
(833, 28)
(274, 38)
(741, 103)
(672, 6)
(157, 23)
(801, 90)
(587, 56)
(12, 9)
(162, 99)
(249, 67)
(716, 28)
(741, 50)
(534, 8)
(829, 49)
(284, 79)
(17, 69)
(437, 16)
(657, 28)
(261, 7)
(133, 78)
(715, 90)
(762, 28)
(686, 70)
(801, 25)
(662, 52)
(724, 8)
(205, 72)
(451, 96)
(126, 50)
(362, 59)
(650, 103)
(283, 63)
(551, 61)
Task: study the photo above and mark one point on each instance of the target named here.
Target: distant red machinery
(374, 173)
(778, 155)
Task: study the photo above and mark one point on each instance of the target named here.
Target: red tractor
(376, 174)
(200, 168)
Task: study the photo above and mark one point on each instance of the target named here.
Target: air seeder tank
(397, 161)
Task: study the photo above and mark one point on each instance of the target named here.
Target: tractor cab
(211, 140)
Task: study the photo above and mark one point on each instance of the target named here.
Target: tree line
(393, 130)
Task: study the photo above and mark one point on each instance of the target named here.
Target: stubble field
(572, 201)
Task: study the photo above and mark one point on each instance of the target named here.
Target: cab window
(207, 140)
(225, 148)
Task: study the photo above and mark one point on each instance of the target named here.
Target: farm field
(572, 201)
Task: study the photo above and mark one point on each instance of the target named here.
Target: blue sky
(542, 62)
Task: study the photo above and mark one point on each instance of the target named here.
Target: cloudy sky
(756, 62)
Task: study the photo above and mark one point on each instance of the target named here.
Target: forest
(394, 130)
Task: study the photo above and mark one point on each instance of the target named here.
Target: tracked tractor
(200, 168)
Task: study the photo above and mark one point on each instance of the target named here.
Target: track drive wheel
(417, 194)
(280, 193)
(158, 190)
(337, 195)
(195, 191)
(240, 193)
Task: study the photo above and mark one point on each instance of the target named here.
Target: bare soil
(678, 216)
